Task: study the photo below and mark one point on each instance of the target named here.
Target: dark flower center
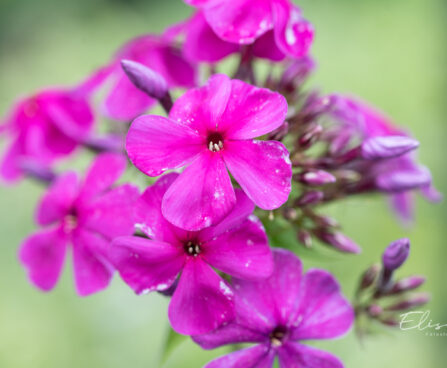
(215, 142)
(192, 249)
(278, 335)
(71, 220)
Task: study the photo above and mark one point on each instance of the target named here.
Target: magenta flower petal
(239, 21)
(243, 252)
(9, 167)
(199, 205)
(112, 214)
(146, 265)
(265, 47)
(293, 355)
(149, 218)
(201, 108)
(276, 297)
(241, 210)
(202, 301)
(92, 270)
(258, 356)
(322, 312)
(293, 33)
(155, 144)
(252, 111)
(103, 172)
(403, 206)
(202, 44)
(124, 101)
(269, 184)
(59, 198)
(43, 254)
(231, 333)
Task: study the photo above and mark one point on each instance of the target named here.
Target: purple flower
(124, 101)
(210, 129)
(43, 128)
(88, 215)
(202, 300)
(278, 313)
(396, 175)
(247, 21)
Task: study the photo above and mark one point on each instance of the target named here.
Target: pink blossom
(202, 300)
(86, 214)
(210, 129)
(43, 128)
(277, 313)
(276, 24)
(124, 101)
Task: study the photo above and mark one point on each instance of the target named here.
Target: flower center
(215, 142)
(71, 221)
(278, 335)
(192, 249)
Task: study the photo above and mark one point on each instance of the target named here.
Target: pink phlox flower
(202, 299)
(210, 129)
(44, 128)
(87, 215)
(278, 313)
(276, 28)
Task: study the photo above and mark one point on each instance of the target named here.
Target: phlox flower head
(87, 214)
(209, 130)
(124, 101)
(275, 29)
(202, 300)
(43, 128)
(278, 313)
(397, 176)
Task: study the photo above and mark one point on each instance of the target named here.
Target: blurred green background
(390, 52)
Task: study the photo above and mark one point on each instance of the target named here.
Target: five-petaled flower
(210, 129)
(275, 27)
(278, 313)
(45, 127)
(202, 300)
(88, 215)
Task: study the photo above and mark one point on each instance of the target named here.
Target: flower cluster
(227, 154)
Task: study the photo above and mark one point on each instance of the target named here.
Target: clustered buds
(380, 296)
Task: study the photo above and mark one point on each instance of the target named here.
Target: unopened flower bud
(315, 177)
(387, 147)
(406, 284)
(325, 221)
(339, 241)
(413, 301)
(310, 136)
(304, 237)
(148, 81)
(403, 180)
(369, 276)
(308, 198)
(279, 133)
(297, 72)
(290, 213)
(389, 321)
(37, 171)
(396, 254)
(375, 310)
(348, 175)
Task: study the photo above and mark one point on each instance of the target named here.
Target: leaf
(172, 341)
